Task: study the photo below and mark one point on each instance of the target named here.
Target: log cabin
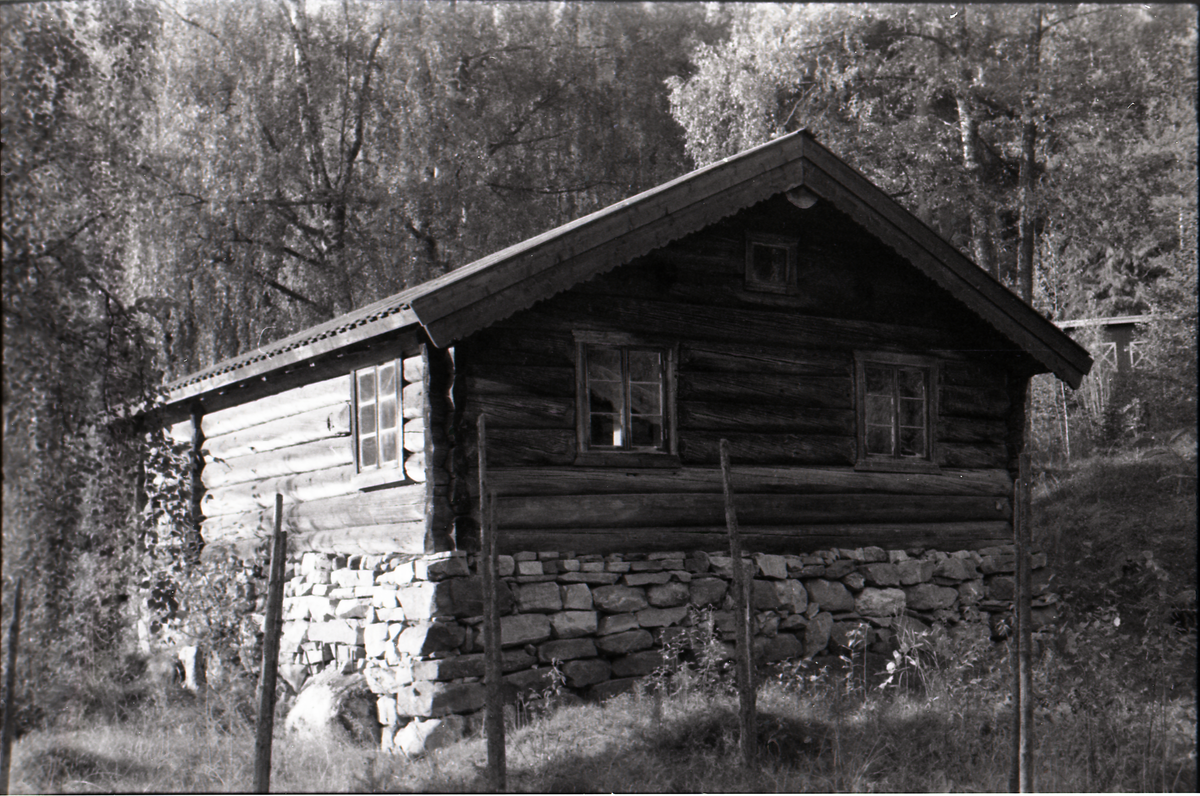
(870, 379)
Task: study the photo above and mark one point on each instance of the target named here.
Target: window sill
(631, 459)
(378, 479)
(896, 466)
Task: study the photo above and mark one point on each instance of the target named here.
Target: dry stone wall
(413, 625)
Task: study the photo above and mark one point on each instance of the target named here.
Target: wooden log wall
(298, 443)
(773, 375)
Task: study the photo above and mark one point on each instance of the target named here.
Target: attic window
(377, 425)
(896, 411)
(771, 263)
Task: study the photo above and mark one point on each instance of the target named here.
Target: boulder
(425, 699)
(668, 595)
(707, 591)
(830, 595)
(585, 672)
(816, 635)
(524, 629)
(619, 599)
(928, 597)
(572, 624)
(333, 706)
(424, 735)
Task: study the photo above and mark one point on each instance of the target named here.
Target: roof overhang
(466, 300)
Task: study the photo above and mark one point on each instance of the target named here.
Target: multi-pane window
(896, 408)
(624, 398)
(770, 263)
(377, 420)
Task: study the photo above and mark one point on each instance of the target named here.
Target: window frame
(791, 244)
(382, 472)
(896, 462)
(585, 454)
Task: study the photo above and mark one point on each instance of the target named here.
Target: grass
(1115, 681)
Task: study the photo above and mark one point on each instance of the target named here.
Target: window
(378, 427)
(771, 263)
(1138, 353)
(896, 410)
(624, 398)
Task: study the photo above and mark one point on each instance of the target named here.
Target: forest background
(185, 181)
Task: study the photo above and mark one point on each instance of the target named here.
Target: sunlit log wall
(774, 374)
(298, 443)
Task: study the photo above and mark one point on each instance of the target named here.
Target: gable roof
(470, 298)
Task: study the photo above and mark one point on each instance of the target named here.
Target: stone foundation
(413, 625)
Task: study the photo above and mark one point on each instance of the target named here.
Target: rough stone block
(335, 632)
(668, 595)
(661, 617)
(646, 566)
(816, 635)
(529, 568)
(791, 595)
(426, 637)
(576, 597)
(573, 624)
(616, 623)
(928, 597)
(881, 574)
(638, 664)
(830, 595)
(524, 629)
(505, 566)
(879, 602)
(955, 569)
(854, 581)
(426, 699)
(525, 555)
(771, 566)
(625, 643)
(840, 568)
(780, 647)
(441, 567)
(762, 595)
(645, 578)
(912, 572)
(1001, 587)
(426, 600)
(589, 671)
(566, 650)
(539, 598)
(587, 577)
(618, 599)
(874, 554)
(352, 609)
(991, 564)
(378, 637)
(530, 679)
(971, 592)
(707, 591)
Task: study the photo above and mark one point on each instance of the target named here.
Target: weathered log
(745, 357)
(971, 429)
(753, 415)
(767, 388)
(397, 537)
(282, 432)
(414, 400)
(971, 456)
(516, 446)
(398, 504)
(414, 370)
(414, 466)
(515, 481)
(292, 402)
(303, 458)
(295, 488)
(789, 539)
(757, 509)
(523, 411)
(757, 448)
(955, 401)
(496, 379)
(181, 433)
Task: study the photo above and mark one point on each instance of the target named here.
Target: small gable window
(896, 411)
(771, 263)
(377, 418)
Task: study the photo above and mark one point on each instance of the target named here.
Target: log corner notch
(441, 422)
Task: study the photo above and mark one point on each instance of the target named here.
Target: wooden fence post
(1024, 543)
(10, 687)
(270, 665)
(493, 669)
(747, 719)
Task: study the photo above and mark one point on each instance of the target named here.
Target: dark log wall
(298, 443)
(771, 373)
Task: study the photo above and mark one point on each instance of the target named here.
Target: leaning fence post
(10, 687)
(270, 663)
(747, 719)
(493, 669)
